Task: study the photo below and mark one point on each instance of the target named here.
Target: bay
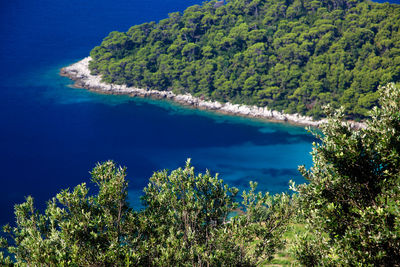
(51, 135)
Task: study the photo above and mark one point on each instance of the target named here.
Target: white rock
(80, 72)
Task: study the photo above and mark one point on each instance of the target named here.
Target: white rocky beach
(80, 73)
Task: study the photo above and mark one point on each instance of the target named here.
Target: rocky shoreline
(80, 73)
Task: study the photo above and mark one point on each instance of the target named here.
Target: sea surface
(387, 1)
(52, 135)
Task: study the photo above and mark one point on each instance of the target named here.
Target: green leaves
(188, 214)
(182, 212)
(313, 52)
(77, 229)
(351, 200)
(188, 220)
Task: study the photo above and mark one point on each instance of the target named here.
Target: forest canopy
(290, 55)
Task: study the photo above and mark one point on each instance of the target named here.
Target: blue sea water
(387, 1)
(51, 135)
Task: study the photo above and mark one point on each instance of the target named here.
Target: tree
(77, 229)
(327, 47)
(352, 202)
(187, 220)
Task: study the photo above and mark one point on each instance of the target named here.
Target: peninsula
(278, 60)
(80, 73)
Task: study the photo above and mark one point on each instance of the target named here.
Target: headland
(80, 73)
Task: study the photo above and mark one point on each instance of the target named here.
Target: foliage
(77, 229)
(352, 201)
(187, 220)
(292, 55)
(183, 212)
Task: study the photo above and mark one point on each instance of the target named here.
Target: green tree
(77, 229)
(328, 47)
(352, 202)
(187, 220)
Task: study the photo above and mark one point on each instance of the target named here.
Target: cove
(52, 135)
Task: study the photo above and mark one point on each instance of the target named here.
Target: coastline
(80, 73)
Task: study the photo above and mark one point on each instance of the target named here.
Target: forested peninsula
(293, 56)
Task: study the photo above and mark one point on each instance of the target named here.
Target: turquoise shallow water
(51, 135)
(58, 133)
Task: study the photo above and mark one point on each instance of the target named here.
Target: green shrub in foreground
(184, 223)
(352, 203)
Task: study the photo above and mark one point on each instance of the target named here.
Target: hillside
(293, 56)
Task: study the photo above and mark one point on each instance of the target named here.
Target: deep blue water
(387, 1)
(51, 135)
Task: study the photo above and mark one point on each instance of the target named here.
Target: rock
(80, 73)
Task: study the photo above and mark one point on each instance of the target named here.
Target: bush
(185, 222)
(353, 198)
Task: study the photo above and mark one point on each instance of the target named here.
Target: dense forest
(290, 55)
(348, 213)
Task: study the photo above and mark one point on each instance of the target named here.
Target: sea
(52, 135)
